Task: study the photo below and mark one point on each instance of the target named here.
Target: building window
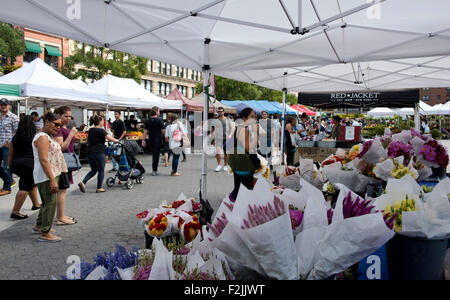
(183, 89)
(158, 67)
(50, 60)
(150, 65)
(30, 56)
(181, 72)
(147, 84)
(193, 91)
(426, 98)
(164, 88)
(164, 68)
(426, 89)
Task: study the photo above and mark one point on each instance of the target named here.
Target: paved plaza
(103, 219)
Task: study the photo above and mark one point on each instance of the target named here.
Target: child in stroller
(130, 168)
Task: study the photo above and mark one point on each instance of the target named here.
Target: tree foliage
(94, 63)
(229, 89)
(12, 43)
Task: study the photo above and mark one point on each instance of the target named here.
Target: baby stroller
(130, 169)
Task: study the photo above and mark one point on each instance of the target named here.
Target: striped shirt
(8, 126)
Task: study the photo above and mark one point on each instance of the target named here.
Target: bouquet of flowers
(326, 249)
(434, 154)
(396, 149)
(159, 226)
(416, 214)
(190, 229)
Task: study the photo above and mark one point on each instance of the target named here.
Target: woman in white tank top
(49, 163)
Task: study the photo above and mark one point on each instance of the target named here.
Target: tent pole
(207, 74)
(416, 117)
(283, 122)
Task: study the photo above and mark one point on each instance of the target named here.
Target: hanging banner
(395, 99)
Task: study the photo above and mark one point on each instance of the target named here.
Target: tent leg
(283, 123)
(207, 74)
(416, 117)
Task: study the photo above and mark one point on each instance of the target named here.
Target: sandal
(100, 191)
(61, 223)
(82, 187)
(55, 239)
(18, 216)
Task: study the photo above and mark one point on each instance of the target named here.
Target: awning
(9, 90)
(356, 99)
(33, 47)
(53, 51)
(303, 109)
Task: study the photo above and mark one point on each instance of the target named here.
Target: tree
(12, 43)
(96, 62)
(229, 89)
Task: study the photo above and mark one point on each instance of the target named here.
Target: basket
(325, 144)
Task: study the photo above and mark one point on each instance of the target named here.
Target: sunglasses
(58, 125)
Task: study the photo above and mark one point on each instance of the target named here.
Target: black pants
(290, 155)
(97, 162)
(246, 180)
(156, 149)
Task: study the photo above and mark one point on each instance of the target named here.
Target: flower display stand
(414, 258)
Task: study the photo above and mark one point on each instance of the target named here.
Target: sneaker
(154, 173)
(219, 167)
(13, 184)
(225, 168)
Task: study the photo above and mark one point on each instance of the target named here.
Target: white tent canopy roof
(380, 112)
(321, 45)
(40, 82)
(126, 92)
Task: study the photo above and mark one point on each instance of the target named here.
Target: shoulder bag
(72, 161)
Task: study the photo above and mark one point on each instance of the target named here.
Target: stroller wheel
(140, 179)
(130, 184)
(110, 181)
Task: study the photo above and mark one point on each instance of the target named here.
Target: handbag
(64, 182)
(177, 135)
(72, 161)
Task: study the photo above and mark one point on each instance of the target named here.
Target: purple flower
(296, 218)
(434, 152)
(366, 147)
(397, 149)
(416, 133)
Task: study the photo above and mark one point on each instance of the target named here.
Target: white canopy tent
(291, 45)
(127, 93)
(43, 85)
(381, 112)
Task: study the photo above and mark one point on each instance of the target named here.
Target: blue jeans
(5, 173)
(97, 162)
(176, 158)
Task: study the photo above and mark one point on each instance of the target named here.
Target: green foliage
(12, 43)
(229, 89)
(9, 68)
(379, 129)
(436, 133)
(98, 62)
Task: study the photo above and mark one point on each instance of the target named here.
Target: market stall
(214, 104)
(351, 135)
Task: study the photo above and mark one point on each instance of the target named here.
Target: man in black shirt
(153, 129)
(132, 124)
(118, 128)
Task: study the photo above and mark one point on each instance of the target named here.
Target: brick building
(433, 96)
(50, 49)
